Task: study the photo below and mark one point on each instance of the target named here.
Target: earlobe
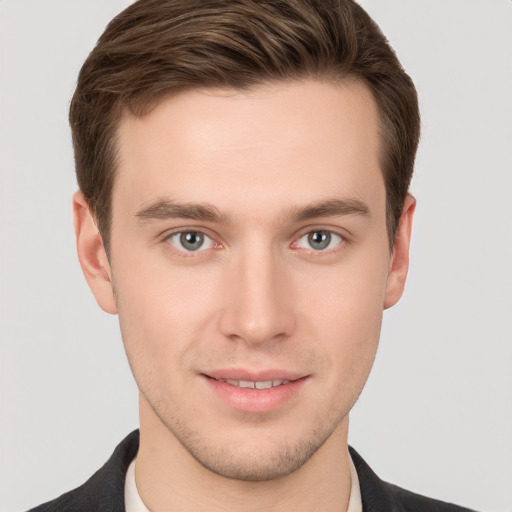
(399, 264)
(92, 256)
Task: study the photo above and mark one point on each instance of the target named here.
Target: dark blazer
(104, 491)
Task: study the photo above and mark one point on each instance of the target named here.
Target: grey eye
(319, 240)
(190, 241)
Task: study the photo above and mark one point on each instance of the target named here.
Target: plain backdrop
(436, 415)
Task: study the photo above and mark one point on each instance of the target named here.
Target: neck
(169, 478)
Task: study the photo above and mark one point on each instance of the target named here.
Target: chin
(255, 465)
(253, 455)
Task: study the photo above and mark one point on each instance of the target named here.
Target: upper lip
(253, 376)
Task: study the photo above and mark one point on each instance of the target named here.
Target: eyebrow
(330, 208)
(167, 209)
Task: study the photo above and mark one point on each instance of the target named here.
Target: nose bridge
(257, 307)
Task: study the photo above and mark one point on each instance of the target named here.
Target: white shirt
(134, 503)
(132, 499)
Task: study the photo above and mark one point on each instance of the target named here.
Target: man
(243, 207)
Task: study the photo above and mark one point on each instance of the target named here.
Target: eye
(320, 240)
(190, 241)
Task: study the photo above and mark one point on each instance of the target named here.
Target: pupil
(191, 240)
(319, 239)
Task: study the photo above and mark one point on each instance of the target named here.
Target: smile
(252, 393)
(266, 384)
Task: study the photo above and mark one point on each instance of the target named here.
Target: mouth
(250, 384)
(255, 392)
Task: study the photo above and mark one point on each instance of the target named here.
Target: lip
(255, 376)
(255, 400)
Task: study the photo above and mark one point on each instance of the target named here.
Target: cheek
(162, 312)
(345, 314)
(350, 295)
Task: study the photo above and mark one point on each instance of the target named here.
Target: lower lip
(256, 400)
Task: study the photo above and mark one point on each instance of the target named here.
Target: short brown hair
(156, 48)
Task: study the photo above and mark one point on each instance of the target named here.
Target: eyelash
(175, 238)
(326, 236)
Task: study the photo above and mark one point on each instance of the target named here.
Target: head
(156, 49)
(247, 164)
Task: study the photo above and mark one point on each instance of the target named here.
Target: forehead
(278, 144)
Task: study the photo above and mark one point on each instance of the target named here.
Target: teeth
(263, 385)
(267, 384)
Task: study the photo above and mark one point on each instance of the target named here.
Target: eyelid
(343, 238)
(169, 234)
(163, 235)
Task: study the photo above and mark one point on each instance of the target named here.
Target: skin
(257, 296)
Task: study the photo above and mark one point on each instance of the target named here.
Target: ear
(92, 255)
(399, 264)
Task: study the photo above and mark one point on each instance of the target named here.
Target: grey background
(436, 416)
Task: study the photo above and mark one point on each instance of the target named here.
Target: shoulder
(104, 491)
(380, 496)
(409, 501)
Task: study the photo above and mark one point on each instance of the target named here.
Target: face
(250, 266)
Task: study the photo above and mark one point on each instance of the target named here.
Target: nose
(257, 299)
